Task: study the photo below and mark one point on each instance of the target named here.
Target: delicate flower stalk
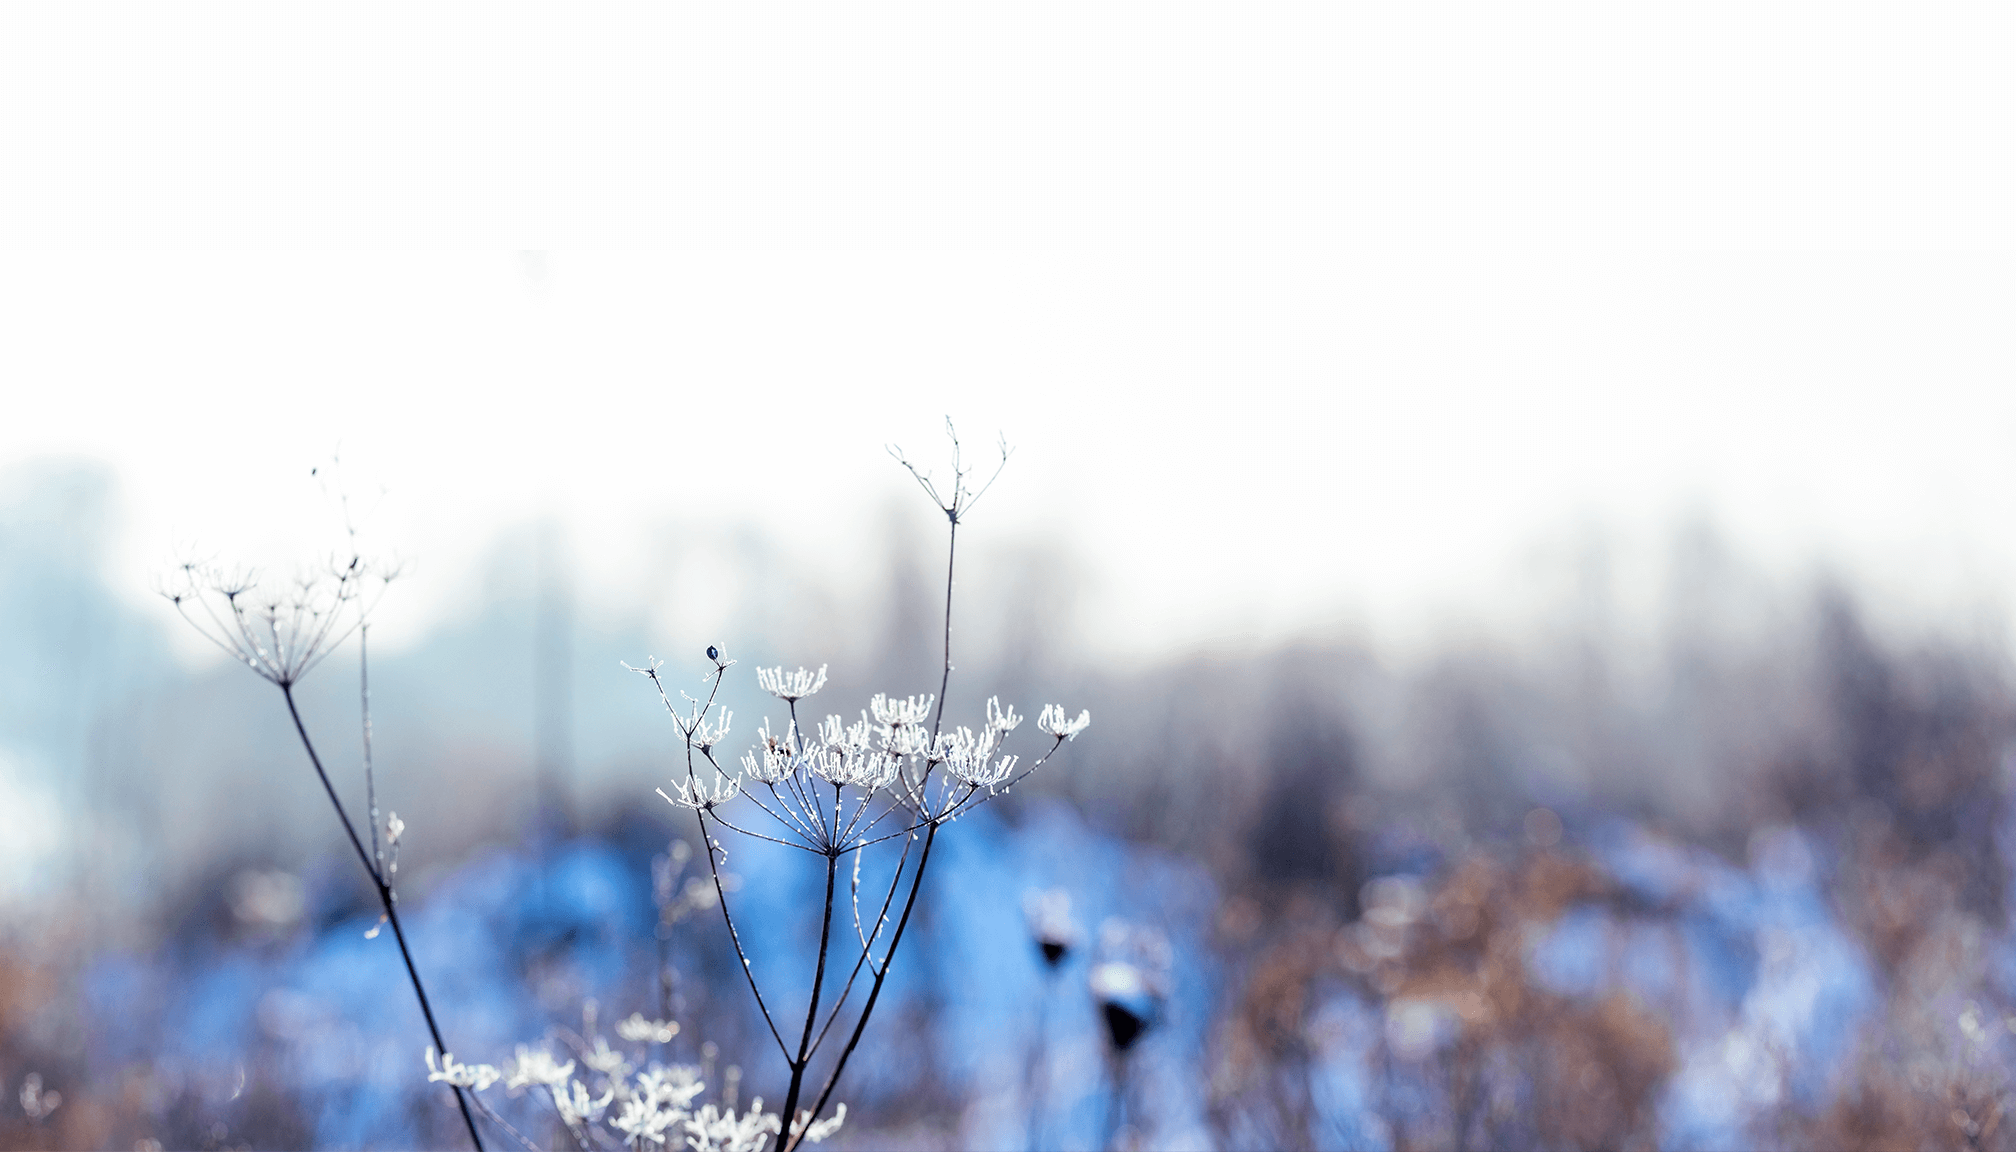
(282, 632)
(839, 787)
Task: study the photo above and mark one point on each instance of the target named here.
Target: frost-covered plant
(1130, 982)
(1051, 928)
(282, 630)
(895, 773)
(619, 1098)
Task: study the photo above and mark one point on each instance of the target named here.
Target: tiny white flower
(676, 1085)
(1054, 722)
(970, 758)
(996, 718)
(792, 686)
(772, 759)
(642, 1119)
(606, 1060)
(897, 713)
(536, 1067)
(578, 1107)
(698, 794)
(837, 734)
(714, 1130)
(817, 1133)
(460, 1075)
(637, 1029)
(393, 827)
(706, 734)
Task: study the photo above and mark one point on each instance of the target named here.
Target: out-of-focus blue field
(1759, 898)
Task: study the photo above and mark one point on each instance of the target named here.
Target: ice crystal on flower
(715, 1130)
(770, 762)
(699, 794)
(897, 713)
(1005, 721)
(970, 758)
(834, 732)
(817, 1133)
(1056, 722)
(792, 686)
(707, 734)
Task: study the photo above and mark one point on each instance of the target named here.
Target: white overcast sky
(1296, 315)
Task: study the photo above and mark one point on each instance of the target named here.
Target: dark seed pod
(713, 653)
(1123, 1025)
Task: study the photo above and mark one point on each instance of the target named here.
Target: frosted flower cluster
(889, 748)
(790, 687)
(280, 629)
(1053, 722)
(895, 747)
(655, 1107)
(639, 1030)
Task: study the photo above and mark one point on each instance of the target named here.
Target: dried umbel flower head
(1054, 721)
(790, 687)
(638, 1030)
(955, 497)
(1050, 924)
(279, 629)
(453, 1071)
(1130, 982)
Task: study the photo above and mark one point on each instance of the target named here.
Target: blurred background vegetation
(1732, 873)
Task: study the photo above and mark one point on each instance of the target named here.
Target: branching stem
(385, 899)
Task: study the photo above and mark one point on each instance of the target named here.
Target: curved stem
(945, 680)
(721, 898)
(384, 899)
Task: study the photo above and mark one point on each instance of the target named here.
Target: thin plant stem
(881, 974)
(1037, 1079)
(945, 680)
(370, 777)
(811, 1012)
(923, 856)
(384, 899)
(867, 939)
(1116, 1104)
(721, 897)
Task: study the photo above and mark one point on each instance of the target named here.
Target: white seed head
(1005, 721)
(1054, 722)
(706, 734)
(536, 1066)
(638, 1030)
(457, 1074)
(793, 685)
(910, 710)
(698, 794)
